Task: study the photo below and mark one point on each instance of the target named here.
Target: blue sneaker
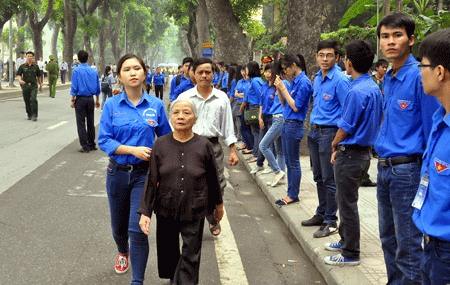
(333, 246)
(340, 261)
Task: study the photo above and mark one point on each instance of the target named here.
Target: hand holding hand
(142, 152)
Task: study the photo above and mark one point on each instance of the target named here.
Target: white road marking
(57, 125)
(231, 269)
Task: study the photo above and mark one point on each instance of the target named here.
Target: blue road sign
(207, 51)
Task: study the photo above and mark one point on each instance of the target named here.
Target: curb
(292, 216)
(10, 94)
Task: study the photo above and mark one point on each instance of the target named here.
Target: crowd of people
(176, 169)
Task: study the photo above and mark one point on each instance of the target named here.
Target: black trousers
(182, 268)
(349, 169)
(84, 111)
(159, 91)
(218, 153)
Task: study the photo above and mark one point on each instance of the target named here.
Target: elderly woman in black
(182, 187)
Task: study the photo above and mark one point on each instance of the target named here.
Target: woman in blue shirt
(273, 134)
(107, 77)
(251, 101)
(245, 131)
(128, 127)
(296, 103)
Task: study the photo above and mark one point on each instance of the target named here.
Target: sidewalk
(13, 92)
(372, 269)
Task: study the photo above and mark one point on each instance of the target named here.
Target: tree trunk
(202, 25)
(69, 30)
(231, 45)
(102, 37)
(114, 34)
(303, 37)
(21, 19)
(398, 5)
(88, 48)
(440, 5)
(55, 39)
(186, 46)
(386, 7)
(153, 54)
(37, 27)
(191, 38)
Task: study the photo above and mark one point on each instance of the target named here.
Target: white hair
(194, 108)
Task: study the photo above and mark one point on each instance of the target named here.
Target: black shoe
(29, 117)
(93, 148)
(326, 230)
(34, 119)
(314, 221)
(368, 183)
(83, 150)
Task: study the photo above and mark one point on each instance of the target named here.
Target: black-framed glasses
(422, 66)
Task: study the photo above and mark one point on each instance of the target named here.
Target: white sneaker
(277, 178)
(267, 170)
(282, 181)
(256, 169)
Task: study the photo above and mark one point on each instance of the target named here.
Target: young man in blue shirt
(148, 80)
(358, 126)
(432, 213)
(187, 84)
(400, 144)
(159, 82)
(180, 78)
(330, 89)
(85, 84)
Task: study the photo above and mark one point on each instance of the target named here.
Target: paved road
(54, 214)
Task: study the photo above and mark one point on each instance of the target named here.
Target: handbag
(251, 117)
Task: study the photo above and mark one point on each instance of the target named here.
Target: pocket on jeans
(405, 170)
(111, 170)
(442, 251)
(330, 132)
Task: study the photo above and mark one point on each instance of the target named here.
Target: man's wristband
(284, 88)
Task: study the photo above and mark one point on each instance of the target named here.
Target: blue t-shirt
(241, 86)
(407, 113)
(253, 92)
(225, 80)
(300, 90)
(85, 81)
(434, 217)
(230, 91)
(362, 112)
(215, 79)
(267, 97)
(185, 86)
(149, 78)
(329, 96)
(173, 87)
(159, 79)
(277, 108)
(122, 123)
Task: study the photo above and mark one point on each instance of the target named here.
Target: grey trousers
(218, 153)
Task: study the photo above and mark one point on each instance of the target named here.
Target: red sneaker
(122, 263)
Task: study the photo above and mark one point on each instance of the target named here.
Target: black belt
(213, 140)
(292, 121)
(129, 167)
(389, 161)
(314, 126)
(356, 147)
(429, 239)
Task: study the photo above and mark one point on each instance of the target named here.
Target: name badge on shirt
(421, 192)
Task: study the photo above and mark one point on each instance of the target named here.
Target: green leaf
(357, 8)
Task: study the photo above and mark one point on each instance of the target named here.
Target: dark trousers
(182, 267)
(435, 263)
(159, 91)
(84, 111)
(246, 132)
(30, 98)
(218, 153)
(63, 76)
(349, 169)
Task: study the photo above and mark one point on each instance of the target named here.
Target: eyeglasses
(422, 66)
(285, 68)
(328, 55)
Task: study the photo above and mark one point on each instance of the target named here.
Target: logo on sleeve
(403, 104)
(292, 92)
(440, 165)
(326, 96)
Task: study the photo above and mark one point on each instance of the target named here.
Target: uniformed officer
(28, 75)
(52, 74)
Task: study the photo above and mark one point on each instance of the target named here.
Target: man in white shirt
(41, 65)
(21, 60)
(214, 120)
(63, 69)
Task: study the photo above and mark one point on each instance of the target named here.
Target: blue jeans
(124, 194)
(104, 97)
(400, 239)
(262, 132)
(246, 132)
(319, 144)
(435, 265)
(273, 136)
(237, 119)
(291, 136)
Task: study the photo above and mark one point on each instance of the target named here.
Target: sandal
(213, 229)
(283, 202)
(243, 147)
(247, 151)
(252, 159)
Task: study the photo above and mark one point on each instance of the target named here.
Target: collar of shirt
(402, 72)
(329, 75)
(124, 99)
(360, 79)
(299, 77)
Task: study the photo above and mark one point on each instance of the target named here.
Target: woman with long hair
(107, 78)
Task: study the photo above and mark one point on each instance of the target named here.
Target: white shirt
(19, 62)
(214, 115)
(63, 65)
(41, 64)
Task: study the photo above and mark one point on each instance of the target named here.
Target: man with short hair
(361, 117)
(52, 75)
(159, 82)
(63, 69)
(180, 78)
(381, 68)
(187, 84)
(330, 90)
(85, 84)
(400, 145)
(41, 66)
(74, 64)
(29, 75)
(214, 120)
(21, 60)
(432, 202)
